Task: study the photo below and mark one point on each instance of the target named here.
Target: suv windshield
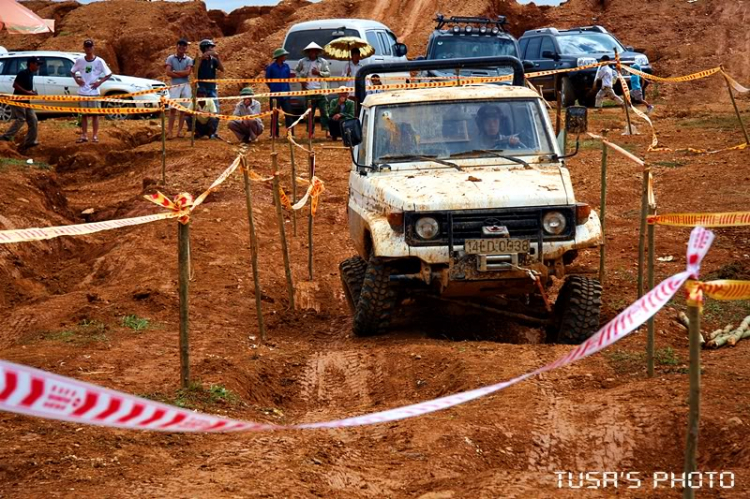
(588, 43)
(457, 47)
(296, 41)
(476, 128)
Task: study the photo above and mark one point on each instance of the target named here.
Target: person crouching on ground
(607, 75)
(24, 85)
(205, 126)
(247, 130)
(339, 111)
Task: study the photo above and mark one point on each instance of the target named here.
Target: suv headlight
(427, 228)
(641, 60)
(554, 223)
(585, 61)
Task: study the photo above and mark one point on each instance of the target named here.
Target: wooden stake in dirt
(625, 100)
(282, 233)
(691, 448)
(736, 110)
(310, 218)
(603, 210)
(642, 235)
(183, 260)
(650, 339)
(195, 98)
(294, 187)
(254, 252)
(163, 144)
(558, 120)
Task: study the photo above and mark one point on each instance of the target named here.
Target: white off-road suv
(461, 193)
(54, 78)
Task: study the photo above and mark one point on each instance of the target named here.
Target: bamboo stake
(282, 233)
(624, 90)
(310, 221)
(254, 252)
(603, 210)
(651, 332)
(691, 448)
(558, 120)
(737, 111)
(183, 242)
(163, 143)
(197, 63)
(294, 188)
(642, 236)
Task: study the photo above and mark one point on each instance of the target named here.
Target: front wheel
(577, 310)
(377, 300)
(116, 105)
(352, 272)
(6, 112)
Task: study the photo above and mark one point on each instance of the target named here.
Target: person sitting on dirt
(247, 130)
(339, 110)
(607, 75)
(490, 123)
(205, 126)
(24, 85)
(179, 66)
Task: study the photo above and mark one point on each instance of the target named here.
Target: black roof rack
(442, 21)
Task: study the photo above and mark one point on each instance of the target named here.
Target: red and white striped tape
(32, 392)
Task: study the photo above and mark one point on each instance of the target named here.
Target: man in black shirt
(208, 63)
(24, 85)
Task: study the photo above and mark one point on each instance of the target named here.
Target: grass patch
(671, 164)
(728, 121)
(6, 163)
(86, 332)
(627, 361)
(135, 323)
(726, 312)
(587, 145)
(196, 396)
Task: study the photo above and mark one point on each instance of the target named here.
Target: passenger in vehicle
(491, 124)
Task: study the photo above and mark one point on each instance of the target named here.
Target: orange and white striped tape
(83, 110)
(223, 117)
(724, 290)
(81, 98)
(733, 219)
(632, 157)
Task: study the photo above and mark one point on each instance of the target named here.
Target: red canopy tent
(19, 20)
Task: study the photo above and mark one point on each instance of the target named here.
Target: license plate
(497, 246)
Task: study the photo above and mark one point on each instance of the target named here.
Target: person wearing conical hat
(279, 69)
(247, 130)
(314, 66)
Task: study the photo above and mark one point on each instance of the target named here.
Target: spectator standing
(351, 68)
(340, 110)
(24, 85)
(179, 66)
(247, 130)
(205, 126)
(636, 91)
(207, 68)
(279, 69)
(89, 73)
(607, 76)
(314, 66)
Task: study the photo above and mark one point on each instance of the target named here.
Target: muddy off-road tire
(377, 301)
(568, 92)
(352, 272)
(577, 311)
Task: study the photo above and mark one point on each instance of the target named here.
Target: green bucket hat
(279, 52)
(247, 91)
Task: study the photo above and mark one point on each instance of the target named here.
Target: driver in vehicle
(489, 122)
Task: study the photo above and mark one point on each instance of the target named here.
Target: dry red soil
(63, 302)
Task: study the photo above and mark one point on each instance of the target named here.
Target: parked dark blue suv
(551, 48)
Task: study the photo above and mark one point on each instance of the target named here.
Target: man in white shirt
(607, 75)
(89, 73)
(247, 130)
(313, 66)
(351, 68)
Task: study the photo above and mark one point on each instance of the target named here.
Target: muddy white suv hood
(474, 188)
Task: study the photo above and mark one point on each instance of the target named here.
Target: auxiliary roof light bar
(483, 25)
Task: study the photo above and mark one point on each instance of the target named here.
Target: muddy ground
(104, 309)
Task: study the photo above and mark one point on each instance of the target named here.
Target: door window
(15, 65)
(57, 67)
(384, 42)
(522, 47)
(372, 39)
(532, 51)
(362, 152)
(548, 45)
(296, 41)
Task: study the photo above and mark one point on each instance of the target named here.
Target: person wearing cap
(279, 69)
(207, 67)
(24, 85)
(205, 126)
(179, 66)
(89, 73)
(339, 110)
(491, 124)
(247, 130)
(313, 66)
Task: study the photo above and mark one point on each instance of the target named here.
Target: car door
(547, 47)
(374, 40)
(6, 79)
(10, 70)
(55, 79)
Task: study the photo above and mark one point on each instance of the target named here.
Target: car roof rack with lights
(442, 21)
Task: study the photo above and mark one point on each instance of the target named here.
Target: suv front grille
(522, 223)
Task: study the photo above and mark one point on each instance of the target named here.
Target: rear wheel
(352, 272)
(577, 311)
(6, 112)
(377, 300)
(568, 92)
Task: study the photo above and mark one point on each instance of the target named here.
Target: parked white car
(54, 78)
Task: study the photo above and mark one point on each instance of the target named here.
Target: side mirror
(548, 54)
(399, 49)
(351, 132)
(576, 120)
(629, 48)
(528, 66)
